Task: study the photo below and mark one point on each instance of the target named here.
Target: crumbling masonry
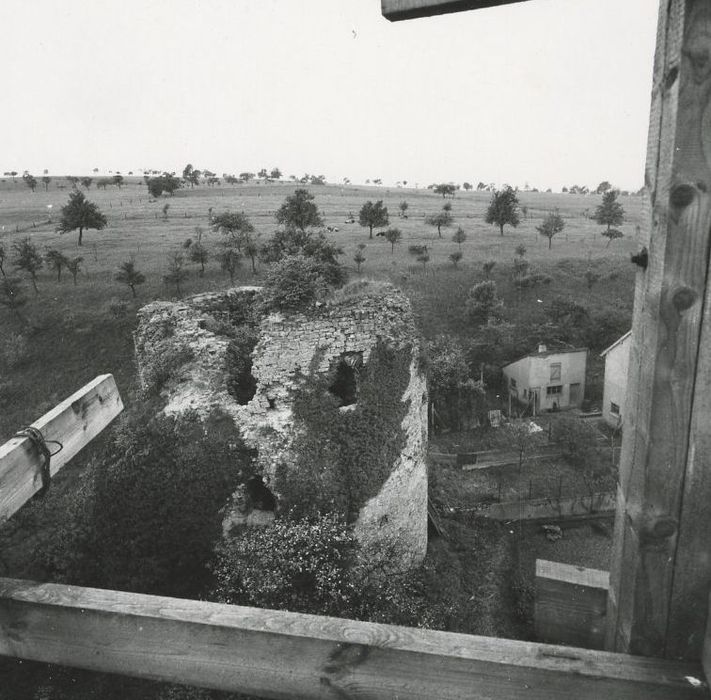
(335, 338)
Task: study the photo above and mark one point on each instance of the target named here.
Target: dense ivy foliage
(146, 518)
(344, 456)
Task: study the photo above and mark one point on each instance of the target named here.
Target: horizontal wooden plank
(74, 422)
(289, 655)
(396, 10)
(571, 604)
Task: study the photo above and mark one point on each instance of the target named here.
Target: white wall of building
(617, 359)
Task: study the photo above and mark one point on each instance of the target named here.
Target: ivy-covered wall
(365, 461)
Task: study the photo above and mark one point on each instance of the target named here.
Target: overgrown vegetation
(345, 456)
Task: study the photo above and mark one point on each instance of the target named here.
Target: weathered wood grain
(570, 605)
(395, 10)
(288, 655)
(74, 422)
(661, 568)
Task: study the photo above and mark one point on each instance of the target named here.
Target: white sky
(549, 92)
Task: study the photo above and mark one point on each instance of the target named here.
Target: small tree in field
(455, 257)
(3, 255)
(488, 266)
(373, 215)
(233, 224)
(198, 254)
(57, 260)
(230, 259)
(403, 206)
(441, 220)
(251, 249)
(445, 189)
(166, 206)
(80, 213)
(503, 208)
(74, 267)
(459, 237)
(28, 259)
(86, 181)
(610, 213)
(176, 271)
(551, 225)
(482, 301)
(299, 211)
(45, 181)
(129, 275)
(393, 236)
(30, 181)
(423, 258)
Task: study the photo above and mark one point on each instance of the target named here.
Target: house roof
(550, 351)
(616, 343)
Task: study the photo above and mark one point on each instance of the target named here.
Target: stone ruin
(333, 338)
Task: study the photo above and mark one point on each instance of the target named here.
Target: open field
(81, 331)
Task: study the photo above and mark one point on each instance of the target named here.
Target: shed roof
(616, 343)
(548, 351)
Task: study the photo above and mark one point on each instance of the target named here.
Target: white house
(617, 358)
(548, 380)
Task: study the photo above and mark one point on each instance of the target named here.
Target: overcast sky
(549, 92)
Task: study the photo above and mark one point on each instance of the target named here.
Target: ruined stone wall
(290, 348)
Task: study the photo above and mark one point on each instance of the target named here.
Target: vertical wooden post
(661, 568)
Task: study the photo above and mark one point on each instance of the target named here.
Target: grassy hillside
(79, 331)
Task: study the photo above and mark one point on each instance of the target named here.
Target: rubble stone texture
(288, 348)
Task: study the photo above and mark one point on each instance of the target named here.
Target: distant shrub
(117, 308)
(533, 280)
(417, 250)
(292, 284)
(482, 301)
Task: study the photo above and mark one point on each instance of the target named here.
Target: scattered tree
(275, 174)
(57, 260)
(459, 237)
(198, 254)
(403, 206)
(299, 211)
(610, 213)
(467, 186)
(373, 215)
(482, 301)
(45, 181)
(503, 208)
(591, 278)
(445, 189)
(30, 181)
(392, 236)
(440, 220)
(423, 258)
(520, 250)
(176, 272)
(455, 257)
(129, 275)
(251, 248)
(230, 258)
(118, 180)
(80, 213)
(233, 224)
(28, 259)
(86, 181)
(603, 187)
(74, 266)
(488, 266)
(552, 224)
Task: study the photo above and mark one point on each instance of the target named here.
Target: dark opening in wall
(271, 402)
(345, 380)
(240, 382)
(258, 494)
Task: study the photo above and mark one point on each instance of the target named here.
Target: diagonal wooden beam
(74, 423)
(276, 654)
(396, 10)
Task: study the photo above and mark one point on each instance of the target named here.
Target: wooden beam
(396, 10)
(74, 422)
(661, 568)
(288, 655)
(571, 604)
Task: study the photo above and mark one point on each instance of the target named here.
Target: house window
(555, 372)
(552, 390)
(512, 382)
(614, 409)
